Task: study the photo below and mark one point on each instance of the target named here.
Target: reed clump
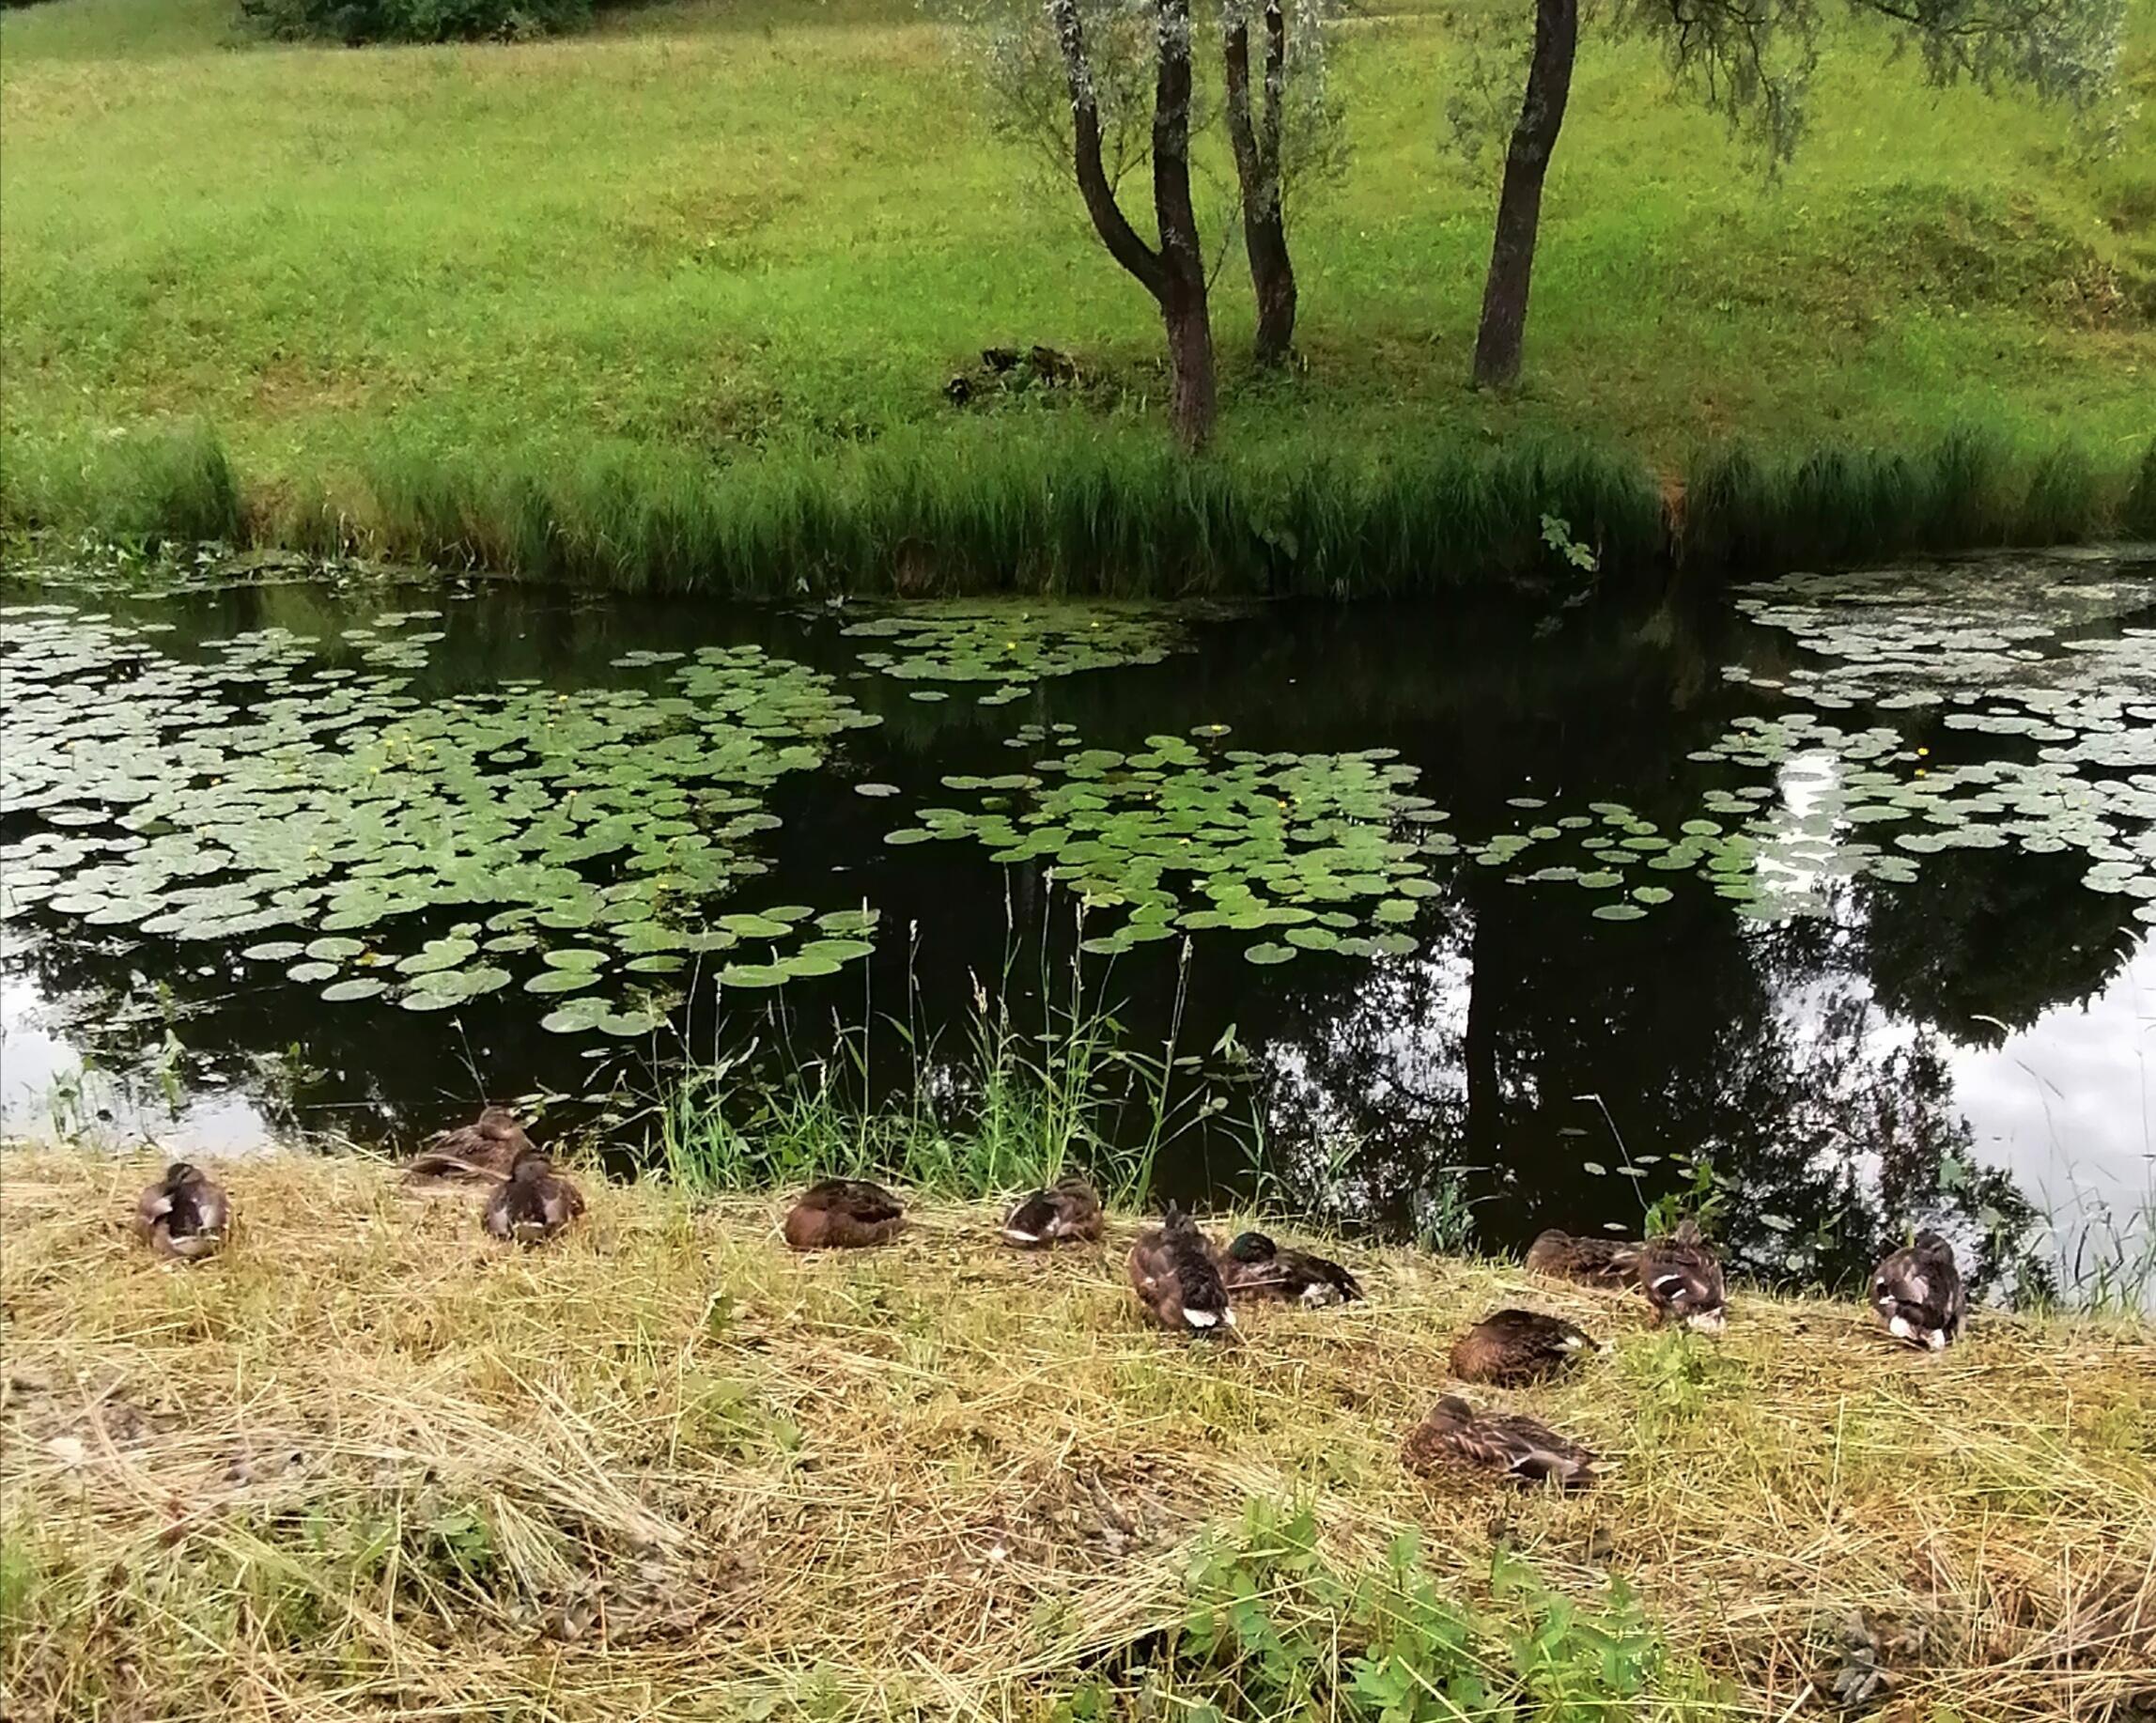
(367, 1461)
(1115, 516)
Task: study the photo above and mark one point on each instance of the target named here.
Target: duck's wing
(212, 1207)
(1030, 1221)
(1200, 1291)
(1323, 1271)
(560, 1204)
(1538, 1455)
(872, 1203)
(152, 1206)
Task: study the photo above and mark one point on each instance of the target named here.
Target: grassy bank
(666, 1470)
(675, 303)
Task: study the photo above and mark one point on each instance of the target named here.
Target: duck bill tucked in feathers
(185, 1215)
(844, 1215)
(1514, 1347)
(533, 1204)
(1592, 1262)
(1919, 1296)
(1176, 1280)
(1681, 1278)
(1455, 1438)
(1066, 1213)
(1254, 1267)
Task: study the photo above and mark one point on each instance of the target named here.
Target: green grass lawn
(712, 231)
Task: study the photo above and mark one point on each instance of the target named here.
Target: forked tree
(1172, 270)
(1108, 92)
(1751, 60)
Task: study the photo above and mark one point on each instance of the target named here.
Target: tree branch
(1108, 220)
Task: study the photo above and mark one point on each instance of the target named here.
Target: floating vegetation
(257, 789)
(1330, 851)
(1014, 644)
(2042, 655)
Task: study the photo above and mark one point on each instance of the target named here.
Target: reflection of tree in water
(1989, 940)
(1829, 1129)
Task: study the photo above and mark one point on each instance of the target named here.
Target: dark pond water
(1844, 885)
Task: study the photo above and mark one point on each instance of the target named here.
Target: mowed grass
(715, 232)
(367, 1461)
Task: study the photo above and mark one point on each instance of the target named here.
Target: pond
(1840, 886)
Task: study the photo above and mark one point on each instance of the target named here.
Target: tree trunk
(1257, 148)
(1183, 305)
(1504, 327)
(1174, 273)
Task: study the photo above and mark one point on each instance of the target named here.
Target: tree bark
(1182, 306)
(1504, 326)
(1174, 273)
(1257, 146)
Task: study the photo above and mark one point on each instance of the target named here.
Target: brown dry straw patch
(368, 1462)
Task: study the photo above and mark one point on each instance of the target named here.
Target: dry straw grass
(368, 1462)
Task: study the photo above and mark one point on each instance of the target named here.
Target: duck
(1177, 1280)
(533, 1202)
(1681, 1278)
(1917, 1295)
(844, 1214)
(482, 1152)
(1455, 1435)
(185, 1215)
(1254, 1267)
(1594, 1262)
(1066, 1212)
(1512, 1346)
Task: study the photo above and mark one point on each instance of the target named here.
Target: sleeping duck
(533, 1202)
(1594, 1262)
(1255, 1268)
(478, 1152)
(1919, 1296)
(1068, 1212)
(1454, 1436)
(844, 1214)
(1173, 1273)
(1510, 1347)
(186, 1214)
(1681, 1278)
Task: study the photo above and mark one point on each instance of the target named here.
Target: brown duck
(479, 1153)
(1455, 1436)
(1173, 1273)
(1594, 1262)
(533, 1202)
(1917, 1294)
(1068, 1212)
(186, 1214)
(1510, 1347)
(1255, 1268)
(1681, 1278)
(844, 1214)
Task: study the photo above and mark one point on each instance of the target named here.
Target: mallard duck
(1919, 1296)
(1595, 1262)
(844, 1214)
(1514, 1346)
(1173, 1273)
(1455, 1435)
(1068, 1212)
(1255, 1268)
(533, 1202)
(481, 1152)
(1681, 1278)
(186, 1214)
